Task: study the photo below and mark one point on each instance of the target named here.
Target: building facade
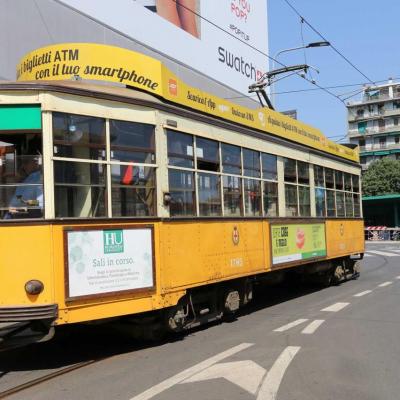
(374, 125)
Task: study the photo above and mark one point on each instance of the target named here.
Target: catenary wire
(254, 48)
(331, 45)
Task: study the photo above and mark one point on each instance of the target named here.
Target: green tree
(382, 177)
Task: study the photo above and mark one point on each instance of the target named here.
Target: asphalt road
(294, 343)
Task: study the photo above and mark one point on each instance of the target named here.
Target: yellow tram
(153, 201)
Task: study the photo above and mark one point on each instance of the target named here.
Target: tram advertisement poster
(293, 242)
(108, 261)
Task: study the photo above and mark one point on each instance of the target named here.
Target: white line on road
(168, 383)
(270, 386)
(335, 307)
(398, 277)
(363, 293)
(313, 326)
(385, 284)
(291, 325)
(383, 253)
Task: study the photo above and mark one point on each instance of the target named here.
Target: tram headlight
(34, 287)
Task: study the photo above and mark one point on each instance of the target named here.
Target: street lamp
(312, 44)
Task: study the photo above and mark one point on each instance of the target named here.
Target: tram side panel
(344, 237)
(198, 253)
(26, 256)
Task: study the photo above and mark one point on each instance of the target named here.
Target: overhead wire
(331, 45)
(253, 47)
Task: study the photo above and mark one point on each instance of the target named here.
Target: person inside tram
(27, 201)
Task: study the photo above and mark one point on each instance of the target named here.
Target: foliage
(382, 177)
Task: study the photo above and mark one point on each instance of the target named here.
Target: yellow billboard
(113, 64)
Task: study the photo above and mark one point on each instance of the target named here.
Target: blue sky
(365, 31)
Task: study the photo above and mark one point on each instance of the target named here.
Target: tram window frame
(233, 198)
(251, 163)
(204, 154)
(76, 134)
(138, 167)
(330, 203)
(179, 157)
(143, 150)
(209, 194)
(231, 162)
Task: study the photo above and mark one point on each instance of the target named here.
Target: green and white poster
(104, 261)
(293, 242)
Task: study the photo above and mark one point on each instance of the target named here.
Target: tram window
(304, 201)
(232, 196)
(330, 203)
(291, 201)
(356, 183)
(357, 210)
(21, 175)
(269, 166)
(207, 152)
(231, 159)
(347, 182)
(271, 199)
(320, 202)
(329, 178)
(340, 206)
(251, 163)
(303, 173)
(349, 204)
(181, 188)
(209, 195)
(132, 142)
(252, 197)
(319, 176)
(290, 170)
(180, 149)
(80, 189)
(339, 180)
(133, 191)
(79, 136)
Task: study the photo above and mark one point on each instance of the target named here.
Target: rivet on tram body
(34, 287)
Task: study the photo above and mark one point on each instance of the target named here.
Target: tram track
(37, 381)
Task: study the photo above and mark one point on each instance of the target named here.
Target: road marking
(398, 277)
(368, 255)
(385, 284)
(270, 386)
(313, 326)
(335, 307)
(187, 373)
(246, 374)
(291, 325)
(383, 253)
(363, 293)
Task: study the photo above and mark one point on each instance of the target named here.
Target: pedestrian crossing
(386, 253)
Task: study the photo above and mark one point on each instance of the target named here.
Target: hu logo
(113, 241)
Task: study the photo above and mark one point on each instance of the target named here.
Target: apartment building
(374, 125)
(374, 122)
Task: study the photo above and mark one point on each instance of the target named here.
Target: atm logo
(113, 241)
(173, 87)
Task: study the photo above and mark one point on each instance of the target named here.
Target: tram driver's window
(21, 175)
